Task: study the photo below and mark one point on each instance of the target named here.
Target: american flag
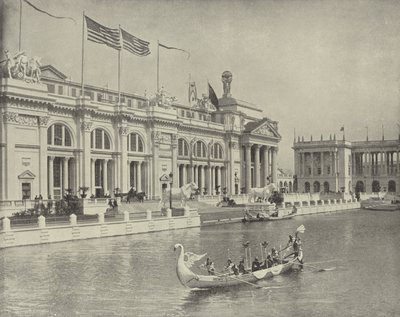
(102, 35)
(134, 45)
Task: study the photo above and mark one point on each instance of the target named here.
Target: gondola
(193, 280)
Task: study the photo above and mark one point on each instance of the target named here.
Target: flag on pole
(212, 96)
(102, 34)
(192, 93)
(134, 45)
(49, 14)
(174, 48)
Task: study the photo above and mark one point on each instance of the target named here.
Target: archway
(376, 187)
(326, 187)
(360, 188)
(317, 187)
(392, 186)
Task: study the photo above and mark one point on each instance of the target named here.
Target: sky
(314, 66)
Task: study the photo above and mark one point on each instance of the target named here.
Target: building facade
(339, 165)
(53, 140)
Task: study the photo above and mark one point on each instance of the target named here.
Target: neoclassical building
(339, 165)
(53, 139)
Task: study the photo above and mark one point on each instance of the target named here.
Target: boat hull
(281, 218)
(213, 281)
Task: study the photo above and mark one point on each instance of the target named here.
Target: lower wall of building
(49, 234)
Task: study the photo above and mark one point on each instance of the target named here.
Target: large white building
(52, 139)
(339, 165)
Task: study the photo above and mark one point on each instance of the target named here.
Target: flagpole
(119, 69)
(367, 132)
(20, 25)
(83, 53)
(158, 66)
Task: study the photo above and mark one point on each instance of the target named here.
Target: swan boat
(193, 280)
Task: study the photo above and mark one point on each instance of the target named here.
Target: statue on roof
(21, 67)
(226, 80)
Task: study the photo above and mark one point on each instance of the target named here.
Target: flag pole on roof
(83, 53)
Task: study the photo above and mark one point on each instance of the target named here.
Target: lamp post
(170, 189)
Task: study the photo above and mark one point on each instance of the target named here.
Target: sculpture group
(21, 67)
(263, 192)
(183, 194)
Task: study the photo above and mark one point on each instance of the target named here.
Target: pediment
(51, 72)
(26, 175)
(266, 129)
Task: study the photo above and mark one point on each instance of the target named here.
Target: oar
(319, 269)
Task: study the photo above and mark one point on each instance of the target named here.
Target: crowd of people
(273, 258)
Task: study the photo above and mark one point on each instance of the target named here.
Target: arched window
(99, 139)
(360, 187)
(326, 187)
(183, 148)
(376, 187)
(307, 187)
(217, 151)
(135, 143)
(392, 186)
(317, 187)
(200, 149)
(59, 135)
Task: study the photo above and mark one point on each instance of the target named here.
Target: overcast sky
(314, 66)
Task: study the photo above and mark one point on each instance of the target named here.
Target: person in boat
(275, 256)
(298, 250)
(229, 266)
(241, 267)
(269, 262)
(209, 266)
(256, 265)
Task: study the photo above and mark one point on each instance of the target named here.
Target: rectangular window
(328, 169)
(133, 142)
(26, 190)
(129, 103)
(99, 97)
(98, 139)
(57, 134)
(73, 92)
(139, 104)
(51, 89)
(110, 98)
(60, 90)
(319, 170)
(57, 172)
(182, 113)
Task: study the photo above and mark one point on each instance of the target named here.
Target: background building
(339, 165)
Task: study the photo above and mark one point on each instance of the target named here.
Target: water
(135, 275)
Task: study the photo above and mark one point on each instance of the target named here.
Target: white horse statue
(183, 194)
(264, 192)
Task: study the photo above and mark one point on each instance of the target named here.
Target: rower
(256, 265)
(241, 268)
(298, 250)
(229, 266)
(269, 261)
(275, 256)
(210, 267)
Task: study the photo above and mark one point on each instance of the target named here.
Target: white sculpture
(183, 194)
(20, 67)
(264, 192)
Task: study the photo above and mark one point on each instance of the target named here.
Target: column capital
(51, 157)
(86, 126)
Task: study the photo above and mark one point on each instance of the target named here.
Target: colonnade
(260, 162)
(63, 173)
(376, 163)
(316, 163)
(207, 178)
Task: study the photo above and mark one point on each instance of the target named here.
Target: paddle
(320, 269)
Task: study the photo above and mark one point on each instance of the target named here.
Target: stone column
(123, 144)
(265, 165)
(51, 177)
(65, 174)
(212, 180)
(274, 165)
(256, 171)
(139, 177)
(93, 174)
(86, 157)
(322, 164)
(105, 177)
(219, 179)
(209, 181)
(312, 164)
(43, 121)
(195, 172)
(303, 164)
(248, 167)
